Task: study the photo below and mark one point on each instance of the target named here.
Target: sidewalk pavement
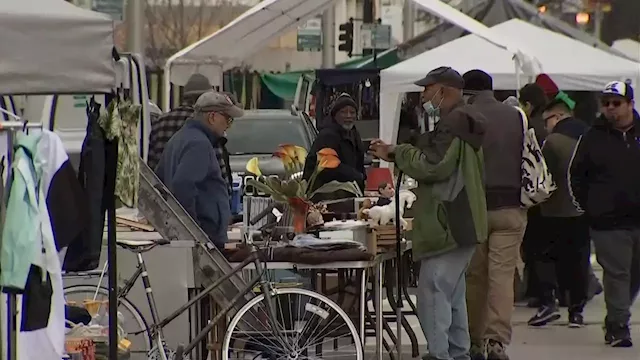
(554, 342)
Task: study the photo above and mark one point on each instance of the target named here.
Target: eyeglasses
(615, 103)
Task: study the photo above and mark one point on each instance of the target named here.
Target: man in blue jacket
(190, 169)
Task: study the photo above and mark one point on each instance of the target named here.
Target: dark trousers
(563, 256)
(618, 252)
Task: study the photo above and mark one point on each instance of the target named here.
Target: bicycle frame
(159, 324)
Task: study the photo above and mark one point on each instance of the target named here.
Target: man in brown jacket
(490, 275)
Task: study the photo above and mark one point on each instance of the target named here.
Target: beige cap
(213, 101)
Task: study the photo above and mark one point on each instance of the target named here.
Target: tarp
(494, 12)
(630, 48)
(244, 36)
(284, 85)
(391, 90)
(52, 46)
(573, 65)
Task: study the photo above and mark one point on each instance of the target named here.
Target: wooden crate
(383, 237)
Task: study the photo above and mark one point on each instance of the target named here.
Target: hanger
(24, 127)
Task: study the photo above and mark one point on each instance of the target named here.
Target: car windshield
(264, 135)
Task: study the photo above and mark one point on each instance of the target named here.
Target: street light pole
(328, 38)
(135, 22)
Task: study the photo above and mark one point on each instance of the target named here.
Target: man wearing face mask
(605, 183)
(452, 216)
(190, 168)
(490, 294)
(343, 137)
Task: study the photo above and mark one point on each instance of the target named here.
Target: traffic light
(346, 37)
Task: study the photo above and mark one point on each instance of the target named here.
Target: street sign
(114, 8)
(310, 35)
(375, 36)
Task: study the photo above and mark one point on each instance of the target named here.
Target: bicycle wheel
(134, 323)
(312, 326)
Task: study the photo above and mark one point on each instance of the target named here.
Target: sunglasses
(614, 103)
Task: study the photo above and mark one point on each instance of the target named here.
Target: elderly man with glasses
(190, 165)
(605, 183)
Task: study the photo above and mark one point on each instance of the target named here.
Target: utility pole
(135, 20)
(328, 38)
(598, 19)
(408, 19)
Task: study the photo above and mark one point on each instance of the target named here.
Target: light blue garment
(442, 308)
(22, 236)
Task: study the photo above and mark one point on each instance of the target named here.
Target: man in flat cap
(190, 168)
(448, 165)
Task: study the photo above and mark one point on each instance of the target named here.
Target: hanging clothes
(120, 122)
(67, 209)
(29, 259)
(84, 255)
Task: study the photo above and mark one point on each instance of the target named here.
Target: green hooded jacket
(450, 210)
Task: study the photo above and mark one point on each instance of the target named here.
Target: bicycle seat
(140, 245)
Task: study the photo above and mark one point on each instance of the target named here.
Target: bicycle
(261, 334)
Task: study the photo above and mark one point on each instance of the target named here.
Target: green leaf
(275, 184)
(302, 191)
(334, 186)
(261, 186)
(291, 188)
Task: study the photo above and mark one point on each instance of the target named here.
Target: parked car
(258, 134)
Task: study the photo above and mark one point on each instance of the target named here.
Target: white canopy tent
(393, 86)
(628, 47)
(244, 36)
(571, 64)
(52, 46)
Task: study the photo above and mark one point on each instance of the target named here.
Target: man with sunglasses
(605, 183)
(561, 252)
(190, 167)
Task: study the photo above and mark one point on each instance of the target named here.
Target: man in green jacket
(451, 210)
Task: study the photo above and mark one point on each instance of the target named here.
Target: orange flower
(328, 159)
(284, 156)
(288, 149)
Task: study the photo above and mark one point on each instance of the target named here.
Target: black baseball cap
(443, 75)
(618, 88)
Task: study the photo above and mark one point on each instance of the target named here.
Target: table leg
(378, 308)
(363, 306)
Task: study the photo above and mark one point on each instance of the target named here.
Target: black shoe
(617, 335)
(545, 315)
(576, 320)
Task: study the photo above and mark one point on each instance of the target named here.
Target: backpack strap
(525, 119)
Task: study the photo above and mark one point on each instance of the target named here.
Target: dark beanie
(477, 80)
(197, 85)
(342, 101)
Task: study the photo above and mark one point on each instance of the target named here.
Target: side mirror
(294, 110)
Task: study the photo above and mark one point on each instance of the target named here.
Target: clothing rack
(10, 128)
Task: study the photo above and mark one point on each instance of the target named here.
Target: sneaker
(545, 315)
(495, 350)
(477, 352)
(617, 335)
(576, 320)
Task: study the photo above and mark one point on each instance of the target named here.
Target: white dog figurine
(383, 215)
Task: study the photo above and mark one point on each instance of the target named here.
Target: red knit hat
(550, 88)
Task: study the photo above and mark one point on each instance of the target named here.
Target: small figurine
(382, 215)
(387, 192)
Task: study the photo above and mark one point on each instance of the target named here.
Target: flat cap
(213, 101)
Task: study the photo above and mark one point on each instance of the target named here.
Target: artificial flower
(253, 167)
(328, 159)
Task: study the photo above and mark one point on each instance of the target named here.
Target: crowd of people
(475, 168)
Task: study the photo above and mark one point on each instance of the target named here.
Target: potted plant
(294, 190)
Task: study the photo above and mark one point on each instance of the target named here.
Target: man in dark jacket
(605, 183)
(189, 165)
(490, 294)
(452, 216)
(563, 252)
(343, 137)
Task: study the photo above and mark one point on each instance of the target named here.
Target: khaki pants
(490, 298)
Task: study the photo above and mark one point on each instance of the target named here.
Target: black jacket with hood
(605, 176)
